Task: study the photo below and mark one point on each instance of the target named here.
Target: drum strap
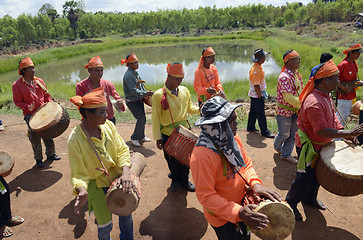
(103, 169)
(42, 86)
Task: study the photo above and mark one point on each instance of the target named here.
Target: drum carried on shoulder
(50, 120)
(6, 163)
(339, 169)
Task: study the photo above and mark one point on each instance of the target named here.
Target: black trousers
(5, 211)
(304, 188)
(231, 231)
(360, 137)
(257, 111)
(179, 172)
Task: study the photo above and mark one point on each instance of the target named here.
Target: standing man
(135, 91)
(171, 106)
(348, 71)
(94, 80)
(318, 125)
(289, 87)
(324, 57)
(90, 178)
(258, 94)
(29, 93)
(206, 78)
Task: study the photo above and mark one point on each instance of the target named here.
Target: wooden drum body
(180, 144)
(50, 120)
(6, 163)
(281, 218)
(148, 100)
(340, 170)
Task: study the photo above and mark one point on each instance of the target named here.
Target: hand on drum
(81, 199)
(149, 93)
(31, 106)
(358, 130)
(251, 218)
(159, 144)
(125, 180)
(261, 190)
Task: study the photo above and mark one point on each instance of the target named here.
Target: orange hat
(94, 62)
(26, 62)
(326, 69)
(131, 58)
(94, 99)
(175, 70)
(354, 47)
(208, 52)
(289, 56)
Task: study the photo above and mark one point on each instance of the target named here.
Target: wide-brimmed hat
(258, 54)
(216, 110)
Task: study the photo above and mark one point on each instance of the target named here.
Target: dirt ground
(44, 196)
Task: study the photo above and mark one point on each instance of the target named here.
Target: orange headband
(289, 56)
(26, 62)
(94, 62)
(327, 70)
(354, 47)
(131, 58)
(94, 99)
(175, 70)
(208, 52)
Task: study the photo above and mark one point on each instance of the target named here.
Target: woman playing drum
(318, 125)
(218, 163)
(87, 179)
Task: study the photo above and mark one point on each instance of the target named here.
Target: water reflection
(232, 60)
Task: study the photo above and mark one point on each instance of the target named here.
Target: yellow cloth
(291, 99)
(83, 161)
(180, 106)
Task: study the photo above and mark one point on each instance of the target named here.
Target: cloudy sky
(16, 7)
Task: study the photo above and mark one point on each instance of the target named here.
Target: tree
(71, 9)
(49, 10)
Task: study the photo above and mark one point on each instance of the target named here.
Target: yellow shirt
(180, 106)
(83, 161)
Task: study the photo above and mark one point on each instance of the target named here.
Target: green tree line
(48, 25)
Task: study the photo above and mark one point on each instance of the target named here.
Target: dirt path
(44, 197)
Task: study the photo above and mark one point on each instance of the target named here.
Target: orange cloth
(208, 52)
(175, 70)
(220, 195)
(26, 62)
(93, 99)
(205, 78)
(129, 59)
(289, 56)
(354, 47)
(327, 70)
(94, 62)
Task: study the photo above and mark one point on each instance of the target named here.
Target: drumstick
(328, 209)
(336, 109)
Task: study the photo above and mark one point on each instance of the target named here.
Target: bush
(280, 22)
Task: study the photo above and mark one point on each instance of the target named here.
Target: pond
(232, 60)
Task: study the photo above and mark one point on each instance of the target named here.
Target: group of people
(220, 166)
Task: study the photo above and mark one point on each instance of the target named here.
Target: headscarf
(208, 52)
(326, 69)
(94, 99)
(131, 58)
(289, 56)
(26, 62)
(175, 70)
(351, 48)
(94, 62)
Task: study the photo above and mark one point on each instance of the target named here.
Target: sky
(16, 7)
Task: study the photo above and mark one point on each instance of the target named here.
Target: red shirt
(317, 113)
(347, 73)
(85, 86)
(25, 94)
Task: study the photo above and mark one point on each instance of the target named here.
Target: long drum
(180, 144)
(340, 170)
(121, 203)
(281, 220)
(50, 120)
(6, 163)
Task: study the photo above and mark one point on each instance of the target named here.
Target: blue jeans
(125, 224)
(344, 107)
(285, 139)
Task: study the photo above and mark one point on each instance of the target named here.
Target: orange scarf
(289, 56)
(94, 62)
(26, 62)
(208, 52)
(129, 59)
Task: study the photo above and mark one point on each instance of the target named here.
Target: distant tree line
(74, 22)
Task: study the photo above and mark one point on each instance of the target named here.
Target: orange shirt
(201, 83)
(221, 196)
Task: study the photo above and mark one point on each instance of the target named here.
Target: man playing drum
(29, 93)
(95, 80)
(318, 125)
(90, 181)
(218, 163)
(165, 117)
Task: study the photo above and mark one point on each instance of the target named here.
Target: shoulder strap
(164, 98)
(42, 86)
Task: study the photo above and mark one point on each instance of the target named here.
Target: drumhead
(46, 116)
(6, 163)
(343, 158)
(281, 218)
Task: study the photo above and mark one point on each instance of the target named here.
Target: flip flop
(15, 220)
(7, 232)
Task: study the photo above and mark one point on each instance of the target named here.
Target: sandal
(16, 220)
(5, 231)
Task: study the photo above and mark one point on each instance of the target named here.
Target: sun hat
(258, 54)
